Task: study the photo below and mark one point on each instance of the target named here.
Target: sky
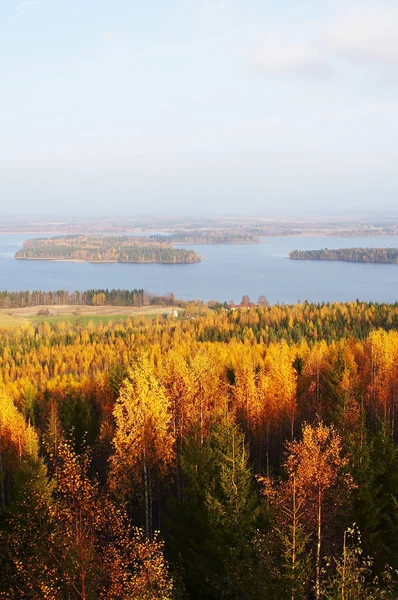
(252, 107)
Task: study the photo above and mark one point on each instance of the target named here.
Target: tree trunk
(318, 548)
(178, 480)
(146, 498)
(294, 529)
(201, 417)
(81, 558)
(292, 426)
(2, 492)
(150, 504)
(344, 568)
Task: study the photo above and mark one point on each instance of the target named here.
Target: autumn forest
(240, 455)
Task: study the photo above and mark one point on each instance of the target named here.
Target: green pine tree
(212, 529)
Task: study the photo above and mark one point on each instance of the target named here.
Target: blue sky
(197, 106)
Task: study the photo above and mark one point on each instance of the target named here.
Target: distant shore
(305, 233)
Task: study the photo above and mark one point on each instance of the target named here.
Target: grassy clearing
(96, 314)
(69, 310)
(85, 319)
(7, 320)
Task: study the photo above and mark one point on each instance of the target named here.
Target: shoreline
(360, 262)
(103, 262)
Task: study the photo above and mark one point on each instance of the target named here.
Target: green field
(86, 314)
(85, 319)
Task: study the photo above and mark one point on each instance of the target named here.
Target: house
(245, 304)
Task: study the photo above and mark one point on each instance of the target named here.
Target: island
(105, 249)
(364, 255)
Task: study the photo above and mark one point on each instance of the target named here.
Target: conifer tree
(214, 525)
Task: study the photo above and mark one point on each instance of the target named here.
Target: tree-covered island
(366, 255)
(123, 249)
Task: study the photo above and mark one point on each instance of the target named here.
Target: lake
(226, 272)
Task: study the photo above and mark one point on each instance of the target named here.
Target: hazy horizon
(294, 216)
(198, 107)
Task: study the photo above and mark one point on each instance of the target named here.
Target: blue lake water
(226, 272)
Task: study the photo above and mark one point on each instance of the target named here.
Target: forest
(103, 297)
(367, 255)
(247, 454)
(124, 249)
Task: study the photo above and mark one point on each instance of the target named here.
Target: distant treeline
(207, 237)
(370, 255)
(125, 249)
(366, 231)
(100, 297)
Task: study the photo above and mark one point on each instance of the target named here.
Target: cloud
(278, 59)
(364, 35)
(25, 4)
